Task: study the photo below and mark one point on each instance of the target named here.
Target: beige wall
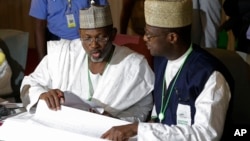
(14, 15)
(116, 6)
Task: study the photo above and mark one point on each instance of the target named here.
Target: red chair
(135, 43)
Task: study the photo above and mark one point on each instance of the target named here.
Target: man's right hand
(54, 98)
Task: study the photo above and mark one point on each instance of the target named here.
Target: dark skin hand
(54, 98)
(121, 133)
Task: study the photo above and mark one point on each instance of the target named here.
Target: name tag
(70, 20)
(183, 114)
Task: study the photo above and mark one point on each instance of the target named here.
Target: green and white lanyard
(164, 106)
(89, 79)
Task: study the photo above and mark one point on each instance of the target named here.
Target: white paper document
(72, 100)
(66, 124)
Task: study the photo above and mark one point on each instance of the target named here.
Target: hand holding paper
(72, 100)
(53, 98)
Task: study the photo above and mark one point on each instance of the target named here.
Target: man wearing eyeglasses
(192, 88)
(56, 19)
(115, 78)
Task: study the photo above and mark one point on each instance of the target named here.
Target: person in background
(206, 22)
(192, 88)
(132, 20)
(56, 19)
(205, 27)
(239, 22)
(114, 77)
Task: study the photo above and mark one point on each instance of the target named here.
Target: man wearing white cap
(192, 88)
(115, 78)
(56, 19)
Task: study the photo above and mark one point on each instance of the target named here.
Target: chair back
(238, 113)
(135, 43)
(14, 44)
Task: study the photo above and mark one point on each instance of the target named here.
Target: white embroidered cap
(95, 16)
(168, 13)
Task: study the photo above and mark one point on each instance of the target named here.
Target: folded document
(66, 124)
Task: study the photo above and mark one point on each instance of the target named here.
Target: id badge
(70, 20)
(183, 114)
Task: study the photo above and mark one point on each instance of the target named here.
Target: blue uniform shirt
(54, 11)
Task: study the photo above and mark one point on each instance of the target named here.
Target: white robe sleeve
(143, 83)
(57, 70)
(139, 112)
(35, 84)
(211, 107)
(126, 86)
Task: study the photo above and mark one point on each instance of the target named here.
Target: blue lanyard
(69, 6)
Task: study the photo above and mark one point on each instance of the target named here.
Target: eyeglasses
(149, 37)
(100, 40)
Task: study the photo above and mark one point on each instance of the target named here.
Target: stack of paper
(66, 124)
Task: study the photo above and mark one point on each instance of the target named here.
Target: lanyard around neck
(69, 4)
(164, 105)
(89, 79)
(90, 82)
